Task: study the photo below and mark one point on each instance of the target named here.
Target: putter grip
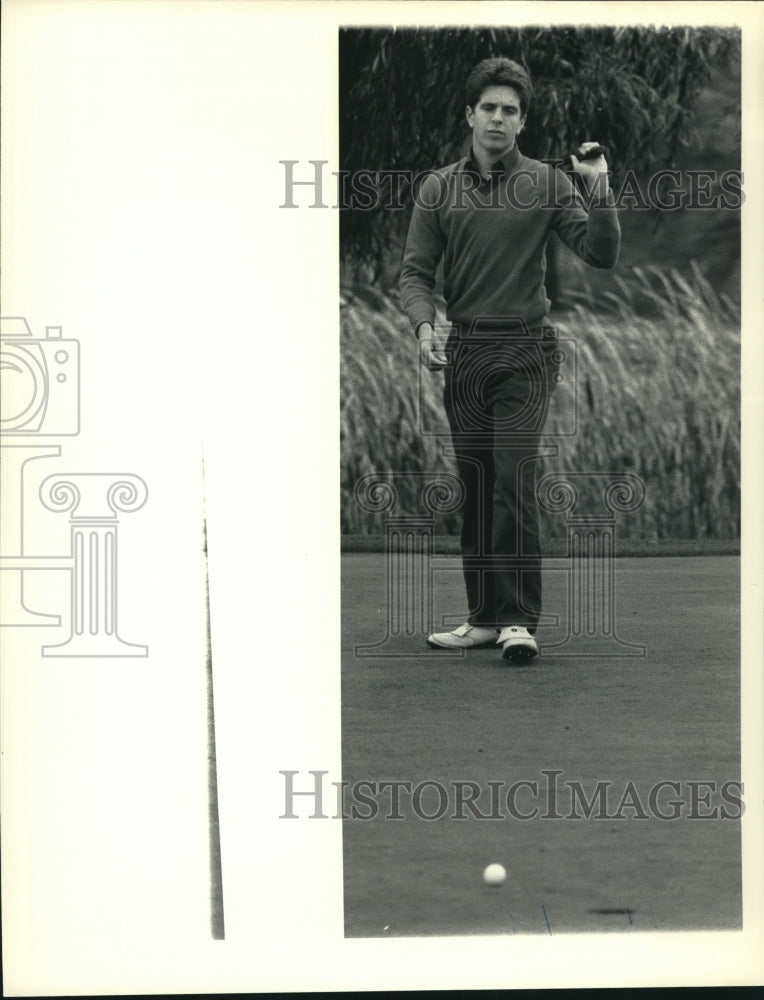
(597, 150)
(594, 151)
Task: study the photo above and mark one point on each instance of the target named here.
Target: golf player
(488, 218)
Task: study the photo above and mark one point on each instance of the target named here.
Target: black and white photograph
(381, 547)
(541, 391)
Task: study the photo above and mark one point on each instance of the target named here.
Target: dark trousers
(497, 392)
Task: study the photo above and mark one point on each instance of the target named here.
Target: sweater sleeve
(424, 248)
(593, 234)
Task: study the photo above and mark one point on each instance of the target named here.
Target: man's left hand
(594, 171)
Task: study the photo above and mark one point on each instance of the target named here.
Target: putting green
(630, 722)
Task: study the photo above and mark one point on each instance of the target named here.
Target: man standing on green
(488, 217)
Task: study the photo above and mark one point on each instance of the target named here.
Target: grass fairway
(672, 715)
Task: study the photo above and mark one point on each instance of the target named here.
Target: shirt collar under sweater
(498, 169)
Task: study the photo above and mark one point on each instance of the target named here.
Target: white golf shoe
(465, 637)
(517, 644)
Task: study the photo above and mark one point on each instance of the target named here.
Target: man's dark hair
(499, 72)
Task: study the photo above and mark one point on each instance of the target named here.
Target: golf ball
(494, 874)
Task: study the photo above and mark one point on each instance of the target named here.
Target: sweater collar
(499, 168)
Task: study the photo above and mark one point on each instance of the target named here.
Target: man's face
(496, 121)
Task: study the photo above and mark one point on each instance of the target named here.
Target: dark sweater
(494, 256)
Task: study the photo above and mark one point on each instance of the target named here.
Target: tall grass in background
(657, 395)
